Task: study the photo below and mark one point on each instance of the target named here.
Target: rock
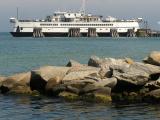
(127, 97)
(42, 75)
(73, 63)
(51, 84)
(103, 91)
(20, 89)
(78, 73)
(76, 86)
(153, 96)
(105, 64)
(129, 61)
(152, 85)
(95, 61)
(143, 91)
(2, 79)
(69, 96)
(101, 95)
(99, 84)
(98, 62)
(135, 76)
(99, 98)
(105, 72)
(58, 89)
(150, 69)
(131, 75)
(129, 78)
(153, 58)
(19, 83)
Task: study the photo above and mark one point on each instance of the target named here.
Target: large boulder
(19, 83)
(78, 73)
(86, 85)
(134, 76)
(99, 62)
(153, 58)
(41, 76)
(105, 64)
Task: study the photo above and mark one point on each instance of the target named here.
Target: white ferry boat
(79, 24)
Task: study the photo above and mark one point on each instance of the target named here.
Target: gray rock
(105, 64)
(19, 83)
(98, 62)
(136, 74)
(150, 69)
(78, 73)
(153, 58)
(42, 75)
(76, 86)
(100, 84)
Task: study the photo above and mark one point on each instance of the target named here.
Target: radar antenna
(83, 7)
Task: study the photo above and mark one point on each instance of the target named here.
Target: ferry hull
(21, 34)
(49, 34)
(30, 34)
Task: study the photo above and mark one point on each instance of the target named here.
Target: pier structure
(155, 34)
(131, 33)
(92, 32)
(37, 32)
(114, 33)
(74, 32)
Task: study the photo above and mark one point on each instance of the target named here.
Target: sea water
(24, 54)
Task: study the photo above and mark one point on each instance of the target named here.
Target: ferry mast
(83, 7)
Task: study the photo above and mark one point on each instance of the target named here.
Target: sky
(38, 9)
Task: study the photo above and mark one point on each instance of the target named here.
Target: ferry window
(21, 28)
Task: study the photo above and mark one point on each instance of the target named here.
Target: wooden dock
(147, 33)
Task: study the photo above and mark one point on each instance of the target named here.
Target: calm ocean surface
(23, 54)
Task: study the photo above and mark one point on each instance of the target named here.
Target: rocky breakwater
(102, 80)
